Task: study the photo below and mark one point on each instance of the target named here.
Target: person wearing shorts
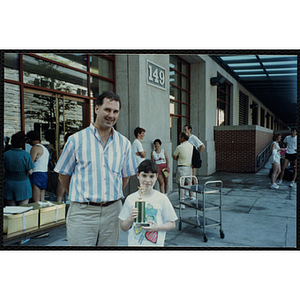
(40, 157)
(17, 166)
(183, 154)
(290, 142)
(160, 157)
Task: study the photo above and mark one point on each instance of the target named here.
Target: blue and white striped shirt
(96, 172)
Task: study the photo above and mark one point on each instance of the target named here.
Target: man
(137, 145)
(290, 142)
(40, 157)
(195, 142)
(94, 168)
(183, 153)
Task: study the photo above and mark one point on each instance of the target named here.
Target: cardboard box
(50, 214)
(15, 224)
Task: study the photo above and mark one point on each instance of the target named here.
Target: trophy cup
(140, 204)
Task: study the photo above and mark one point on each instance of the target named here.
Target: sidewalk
(253, 215)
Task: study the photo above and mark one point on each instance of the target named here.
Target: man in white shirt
(195, 142)
(290, 142)
(137, 146)
(183, 153)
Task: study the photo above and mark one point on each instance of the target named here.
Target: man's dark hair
(147, 166)
(110, 95)
(33, 135)
(188, 126)
(184, 136)
(18, 140)
(157, 141)
(138, 130)
(293, 129)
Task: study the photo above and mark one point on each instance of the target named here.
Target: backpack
(196, 159)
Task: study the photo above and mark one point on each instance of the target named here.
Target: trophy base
(143, 224)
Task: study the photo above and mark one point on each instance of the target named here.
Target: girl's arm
(127, 224)
(164, 227)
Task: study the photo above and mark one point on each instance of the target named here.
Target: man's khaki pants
(93, 225)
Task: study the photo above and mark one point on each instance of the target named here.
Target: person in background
(7, 145)
(275, 160)
(137, 145)
(290, 142)
(160, 157)
(40, 157)
(183, 153)
(199, 146)
(94, 168)
(17, 166)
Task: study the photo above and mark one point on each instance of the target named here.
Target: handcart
(201, 204)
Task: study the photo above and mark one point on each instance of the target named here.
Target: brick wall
(237, 147)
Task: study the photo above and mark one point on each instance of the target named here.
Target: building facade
(55, 92)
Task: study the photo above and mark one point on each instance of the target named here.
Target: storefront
(54, 94)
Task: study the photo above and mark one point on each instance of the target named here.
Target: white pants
(93, 225)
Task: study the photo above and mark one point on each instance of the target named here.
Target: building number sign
(156, 75)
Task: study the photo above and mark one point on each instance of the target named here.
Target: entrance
(174, 132)
(52, 115)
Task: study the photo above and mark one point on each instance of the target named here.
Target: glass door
(52, 115)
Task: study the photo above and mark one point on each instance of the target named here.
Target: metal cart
(201, 205)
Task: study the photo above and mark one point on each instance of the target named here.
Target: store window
(223, 104)
(179, 98)
(243, 109)
(262, 117)
(12, 109)
(11, 66)
(49, 75)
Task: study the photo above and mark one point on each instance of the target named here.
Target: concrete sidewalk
(253, 215)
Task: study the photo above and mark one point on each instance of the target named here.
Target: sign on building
(156, 75)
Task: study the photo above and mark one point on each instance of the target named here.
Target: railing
(264, 155)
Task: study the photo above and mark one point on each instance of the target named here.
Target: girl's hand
(134, 214)
(153, 227)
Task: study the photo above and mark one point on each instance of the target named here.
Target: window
(262, 117)
(180, 90)
(223, 104)
(179, 98)
(243, 109)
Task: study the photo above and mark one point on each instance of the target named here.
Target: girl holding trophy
(147, 213)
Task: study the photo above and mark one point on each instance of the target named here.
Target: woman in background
(160, 157)
(17, 167)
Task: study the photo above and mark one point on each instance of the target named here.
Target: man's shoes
(291, 184)
(182, 206)
(279, 182)
(274, 186)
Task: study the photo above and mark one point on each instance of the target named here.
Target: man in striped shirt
(94, 168)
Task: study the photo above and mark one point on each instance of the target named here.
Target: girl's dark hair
(157, 141)
(148, 166)
(18, 140)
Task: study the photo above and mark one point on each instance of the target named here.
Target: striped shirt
(96, 171)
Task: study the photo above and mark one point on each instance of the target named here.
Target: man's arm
(65, 181)
(36, 152)
(201, 148)
(142, 154)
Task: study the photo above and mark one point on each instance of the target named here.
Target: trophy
(140, 204)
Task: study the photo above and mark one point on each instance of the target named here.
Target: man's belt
(102, 204)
